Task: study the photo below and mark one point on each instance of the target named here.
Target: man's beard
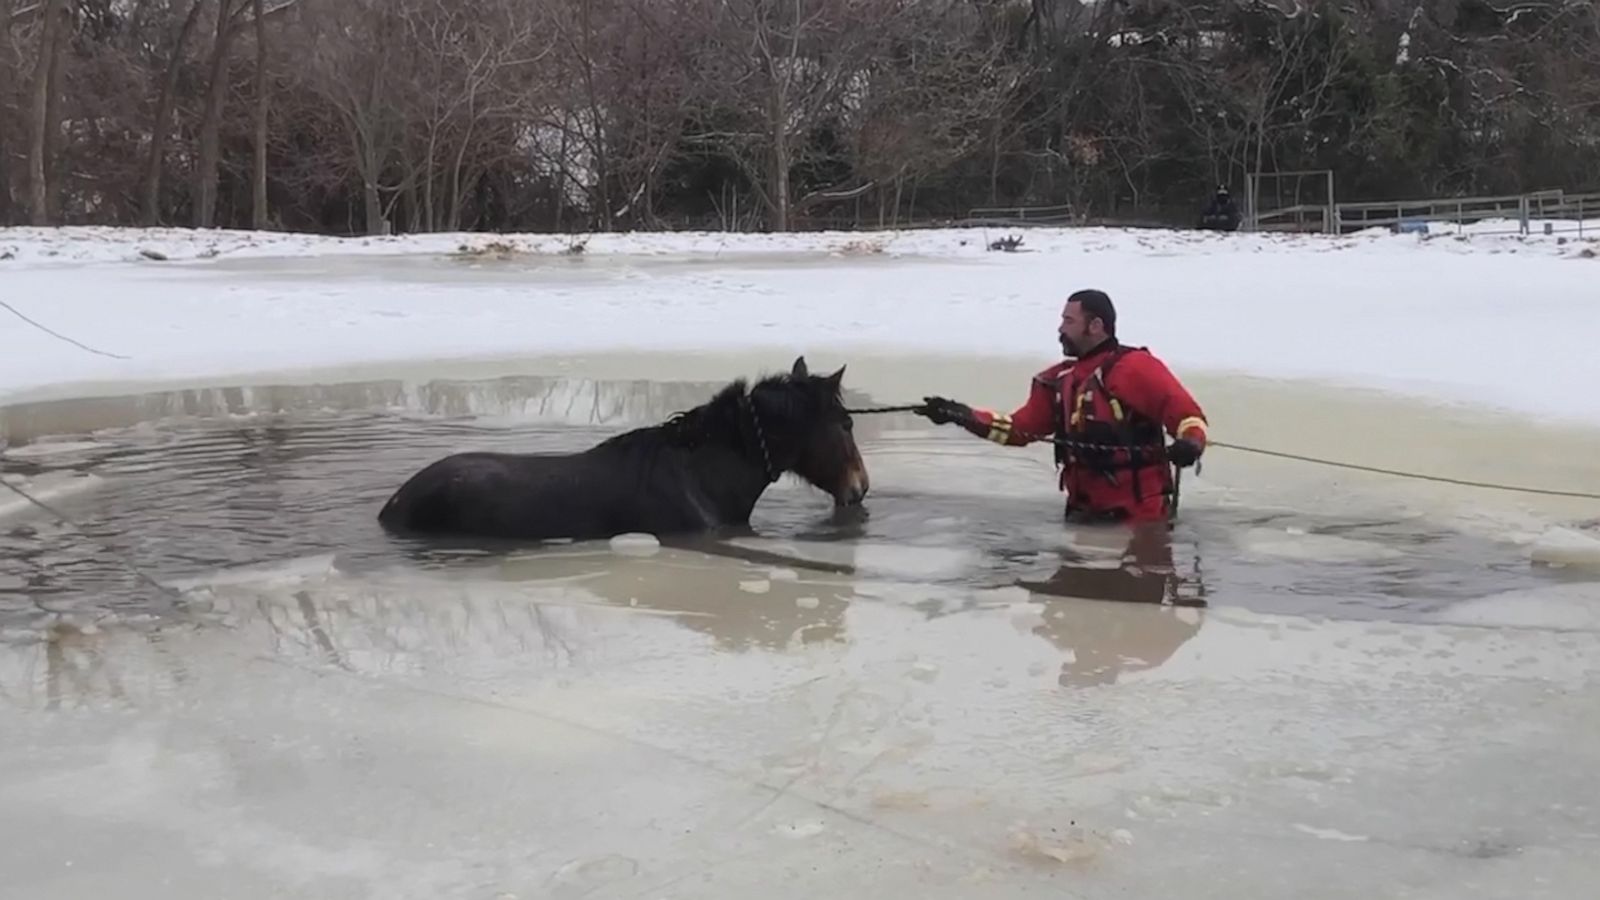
(1068, 347)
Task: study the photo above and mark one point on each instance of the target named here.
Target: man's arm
(1151, 389)
(1031, 421)
(1027, 423)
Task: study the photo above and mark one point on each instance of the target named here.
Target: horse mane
(691, 427)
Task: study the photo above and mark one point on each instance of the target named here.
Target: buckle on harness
(1084, 516)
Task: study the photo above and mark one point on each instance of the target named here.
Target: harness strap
(761, 438)
(1121, 420)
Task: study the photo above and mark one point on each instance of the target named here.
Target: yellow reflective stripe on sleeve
(1000, 429)
(1192, 422)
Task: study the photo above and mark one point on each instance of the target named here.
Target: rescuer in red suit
(1105, 393)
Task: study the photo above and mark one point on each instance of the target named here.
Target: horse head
(808, 431)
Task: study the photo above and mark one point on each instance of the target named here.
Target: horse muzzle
(854, 490)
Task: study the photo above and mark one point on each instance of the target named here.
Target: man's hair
(1097, 304)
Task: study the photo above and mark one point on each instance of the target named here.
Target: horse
(700, 471)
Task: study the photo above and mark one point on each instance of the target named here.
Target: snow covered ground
(1475, 319)
(105, 244)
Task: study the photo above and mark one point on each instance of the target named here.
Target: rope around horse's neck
(1418, 476)
(761, 438)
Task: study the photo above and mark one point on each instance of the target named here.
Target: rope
(1549, 492)
(877, 410)
(1314, 460)
(66, 520)
(56, 334)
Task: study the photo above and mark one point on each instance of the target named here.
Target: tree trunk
(561, 176)
(38, 186)
(52, 132)
(994, 166)
(602, 165)
(474, 182)
(372, 200)
(258, 201)
(6, 87)
(457, 201)
(205, 199)
(430, 179)
(779, 197)
(373, 205)
(151, 213)
(410, 207)
(373, 142)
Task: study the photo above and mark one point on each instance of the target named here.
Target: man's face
(1075, 334)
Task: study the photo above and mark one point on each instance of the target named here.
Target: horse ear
(836, 378)
(800, 370)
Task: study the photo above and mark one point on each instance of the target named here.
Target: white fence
(1538, 212)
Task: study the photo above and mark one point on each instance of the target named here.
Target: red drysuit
(1115, 395)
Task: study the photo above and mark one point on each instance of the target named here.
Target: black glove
(940, 411)
(1184, 452)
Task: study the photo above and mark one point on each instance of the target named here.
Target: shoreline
(1386, 315)
(62, 245)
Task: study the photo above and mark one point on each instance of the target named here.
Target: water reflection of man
(1155, 617)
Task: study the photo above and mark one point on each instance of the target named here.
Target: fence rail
(1021, 212)
(1301, 217)
(1536, 212)
(1548, 212)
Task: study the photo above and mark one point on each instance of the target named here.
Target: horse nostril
(859, 485)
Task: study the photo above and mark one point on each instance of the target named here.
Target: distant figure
(1220, 213)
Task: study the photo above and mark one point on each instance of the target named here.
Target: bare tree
(230, 17)
(785, 68)
(163, 125)
(52, 30)
(581, 113)
(633, 80)
(8, 79)
(479, 66)
(923, 106)
(361, 76)
(1285, 92)
(433, 114)
(258, 194)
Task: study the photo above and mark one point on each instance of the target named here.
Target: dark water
(197, 481)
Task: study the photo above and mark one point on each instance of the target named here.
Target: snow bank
(34, 246)
(1504, 321)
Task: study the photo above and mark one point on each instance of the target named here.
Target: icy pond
(1367, 686)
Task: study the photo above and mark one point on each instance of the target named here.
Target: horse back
(482, 492)
(534, 496)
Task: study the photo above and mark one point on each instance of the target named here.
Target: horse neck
(734, 468)
(729, 478)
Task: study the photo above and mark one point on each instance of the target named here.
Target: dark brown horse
(699, 471)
